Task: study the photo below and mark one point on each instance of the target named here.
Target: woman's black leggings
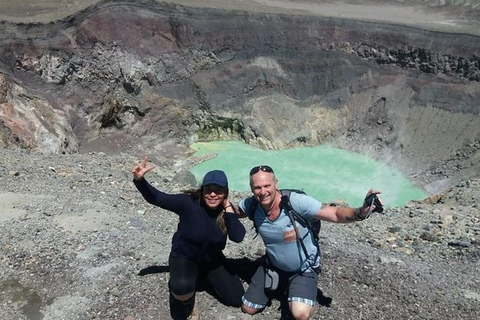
(184, 275)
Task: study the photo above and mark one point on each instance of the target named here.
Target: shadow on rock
(244, 267)
(153, 269)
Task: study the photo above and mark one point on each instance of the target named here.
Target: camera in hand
(373, 199)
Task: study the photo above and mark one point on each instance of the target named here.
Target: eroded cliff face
(31, 122)
(155, 72)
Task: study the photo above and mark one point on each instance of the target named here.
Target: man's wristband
(358, 217)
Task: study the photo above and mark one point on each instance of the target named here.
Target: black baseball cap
(217, 177)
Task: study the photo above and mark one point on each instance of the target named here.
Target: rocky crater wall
(150, 73)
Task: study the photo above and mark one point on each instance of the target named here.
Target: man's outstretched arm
(347, 214)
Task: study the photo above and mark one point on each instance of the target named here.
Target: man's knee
(302, 315)
(301, 311)
(250, 310)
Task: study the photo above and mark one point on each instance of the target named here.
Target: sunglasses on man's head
(261, 168)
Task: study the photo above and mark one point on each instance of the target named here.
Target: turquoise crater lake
(324, 172)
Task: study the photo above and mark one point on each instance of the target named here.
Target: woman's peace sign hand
(140, 169)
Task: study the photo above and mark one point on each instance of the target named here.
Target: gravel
(78, 241)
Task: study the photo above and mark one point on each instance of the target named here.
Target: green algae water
(324, 172)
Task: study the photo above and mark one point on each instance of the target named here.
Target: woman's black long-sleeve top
(198, 236)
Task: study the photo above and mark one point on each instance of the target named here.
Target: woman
(206, 218)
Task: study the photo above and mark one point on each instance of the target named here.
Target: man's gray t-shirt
(283, 250)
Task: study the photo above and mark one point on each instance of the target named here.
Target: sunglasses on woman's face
(261, 168)
(214, 188)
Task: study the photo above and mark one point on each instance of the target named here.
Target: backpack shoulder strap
(296, 216)
(251, 212)
(251, 208)
(288, 206)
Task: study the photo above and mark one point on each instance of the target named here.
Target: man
(285, 256)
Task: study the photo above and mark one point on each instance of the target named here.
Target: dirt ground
(78, 242)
